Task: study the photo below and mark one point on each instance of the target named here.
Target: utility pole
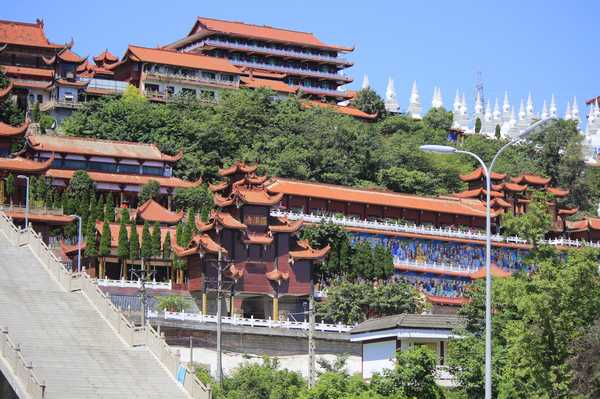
(219, 326)
(311, 336)
(142, 275)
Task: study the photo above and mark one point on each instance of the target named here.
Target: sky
(546, 47)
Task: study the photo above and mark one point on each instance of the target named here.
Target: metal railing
(250, 322)
(22, 369)
(413, 264)
(132, 335)
(157, 285)
(48, 105)
(188, 78)
(268, 50)
(295, 71)
(32, 210)
(426, 230)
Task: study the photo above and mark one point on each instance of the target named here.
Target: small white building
(381, 338)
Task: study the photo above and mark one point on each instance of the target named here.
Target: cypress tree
(134, 242)
(155, 243)
(105, 239)
(109, 208)
(167, 246)
(123, 246)
(99, 211)
(179, 234)
(189, 229)
(146, 241)
(92, 208)
(90, 238)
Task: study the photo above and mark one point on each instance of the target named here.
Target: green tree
(150, 190)
(338, 258)
(173, 303)
(367, 100)
(156, 241)
(394, 298)
(105, 239)
(498, 132)
(413, 376)
(347, 303)
(478, 125)
(167, 251)
(362, 261)
(584, 361)
(439, 119)
(146, 250)
(99, 210)
(91, 249)
(533, 224)
(134, 241)
(123, 243)
(189, 229)
(81, 185)
(340, 385)
(109, 208)
(197, 198)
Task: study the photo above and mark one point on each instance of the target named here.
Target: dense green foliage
(367, 100)
(148, 191)
(351, 303)
(532, 225)
(319, 144)
(172, 303)
(537, 319)
(10, 113)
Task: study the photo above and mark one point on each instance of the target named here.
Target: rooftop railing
(426, 230)
(295, 71)
(270, 50)
(249, 322)
(156, 285)
(190, 78)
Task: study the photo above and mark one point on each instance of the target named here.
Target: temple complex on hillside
(299, 59)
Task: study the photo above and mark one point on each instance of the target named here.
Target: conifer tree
(104, 248)
(99, 211)
(90, 239)
(156, 244)
(109, 208)
(189, 230)
(146, 241)
(92, 208)
(123, 245)
(134, 241)
(179, 234)
(167, 246)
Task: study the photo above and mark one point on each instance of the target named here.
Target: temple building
(299, 59)
(269, 269)
(119, 167)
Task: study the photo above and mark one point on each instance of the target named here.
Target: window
(40, 98)
(188, 92)
(152, 170)
(151, 87)
(102, 166)
(74, 164)
(69, 96)
(132, 169)
(207, 94)
(208, 75)
(170, 90)
(227, 78)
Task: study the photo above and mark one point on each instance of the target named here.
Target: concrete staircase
(78, 343)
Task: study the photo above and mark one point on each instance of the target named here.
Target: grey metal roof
(424, 321)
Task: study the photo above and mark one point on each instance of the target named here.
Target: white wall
(378, 356)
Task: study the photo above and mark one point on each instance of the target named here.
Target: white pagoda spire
(365, 82)
(463, 103)
(436, 102)
(457, 105)
(391, 104)
(506, 104)
(488, 111)
(553, 108)
(522, 113)
(575, 110)
(545, 113)
(496, 110)
(440, 97)
(478, 104)
(530, 110)
(414, 102)
(568, 115)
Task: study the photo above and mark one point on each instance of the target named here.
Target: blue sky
(544, 46)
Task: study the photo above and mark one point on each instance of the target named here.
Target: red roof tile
(495, 271)
(557, 191)
(578, 225)
(275, 85)
(276, 275)
(65, 55)
(41, 218)
(13, 131)
(152, 211)
(531, 179)
(226, 220)
(479, 174)
(105, 57)
(26, 34)
(568, 212)
(286, 226)
(19, 164)
(346, 110)
(217, 186)
(98, 147)
(513, 187)
(476, 193)
(501, 202)
(237, 167)
(118, 178)
(384, 198)
(27, 71)
(170, 57)
(443, 300)
(304, 251)
(257, 239)
(263, 32)
(258, 196)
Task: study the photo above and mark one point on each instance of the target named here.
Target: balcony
(273, 51)
(105, 84)
(164, 96)
(321, 91)
(52, 104)
(426, 230)
(169, 77)
(155, 285)
(294, 71)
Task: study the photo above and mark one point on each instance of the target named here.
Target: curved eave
(276, 275)
(12, 131)
(25, 165)
(269, 200)
(288, 227)
(452, 301)
(4, 92)
(218, 186)
(173, 158)
(310, 254)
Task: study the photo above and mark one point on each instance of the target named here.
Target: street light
(78, 242)
(443, 149)
(26, 199)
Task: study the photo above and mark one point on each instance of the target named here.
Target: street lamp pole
(78, 242)
(26, 199)
(442, 149)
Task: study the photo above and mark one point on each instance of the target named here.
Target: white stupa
(414, 103)
(391, 103)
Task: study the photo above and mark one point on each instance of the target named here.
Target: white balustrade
(427, 230)
(251, 322)
(157, 285)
